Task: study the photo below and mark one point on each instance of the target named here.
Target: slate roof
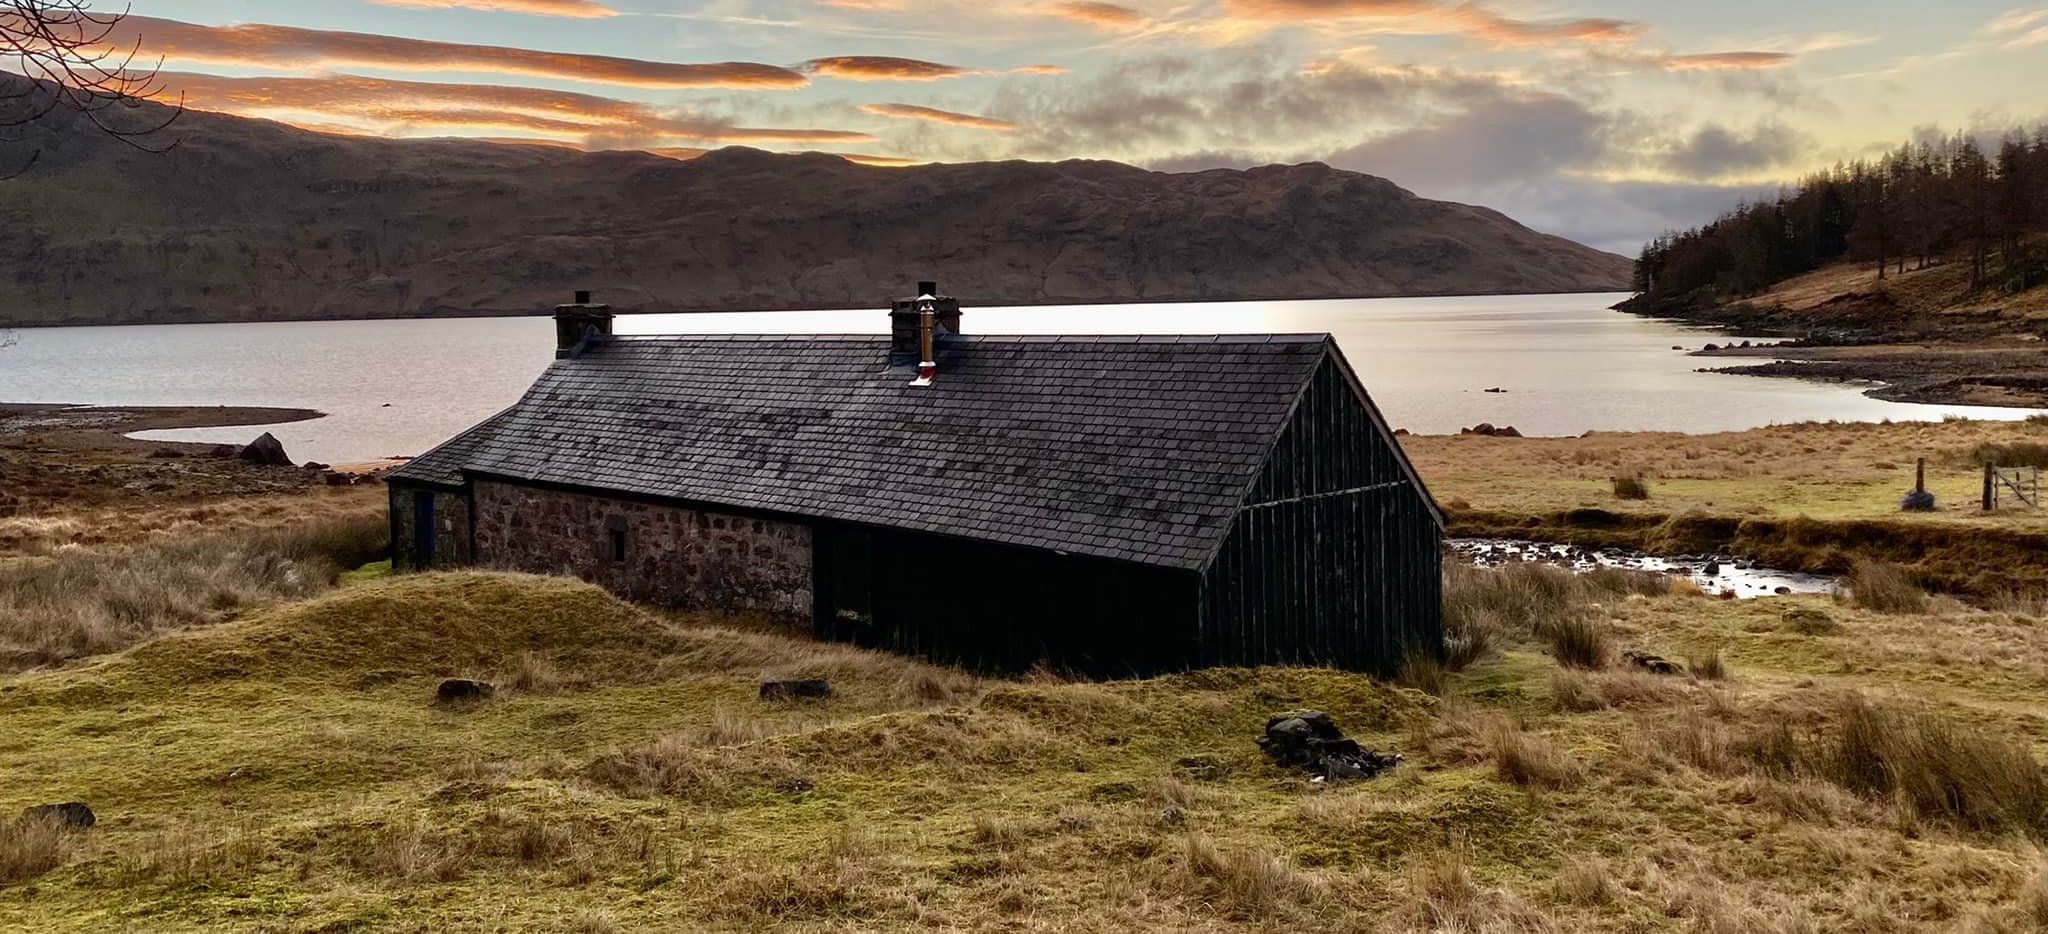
(1131, 448)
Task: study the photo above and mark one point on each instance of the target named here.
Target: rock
(1654, 664)
(796, 689)
(69, 814)
(266, 450)
(165, 454)
(1400, 432)
(1918, 501)
(1676, 347)
(1496, 390)
(337, 478)
(316, 465)
(464, 691)
(1310, 740)
(1487, 429)
(1782, 591)
(1713, 569)
(1711, 347)
(222, 450)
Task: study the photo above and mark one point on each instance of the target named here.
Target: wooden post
(1920, 476)
(1990, 491)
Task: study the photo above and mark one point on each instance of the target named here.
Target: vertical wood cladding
(1000, 607)
(1336, 558)
(673, 556)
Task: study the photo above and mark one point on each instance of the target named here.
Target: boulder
(1487, 429)
(165, 454)
(796, 689)
(338, 478)
(1654, 664)
(464, 691)
(316, 465)
(266, 450)
(1310, 740)
(69, 814)
(222, 451)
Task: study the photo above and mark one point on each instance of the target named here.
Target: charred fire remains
(1106, 505)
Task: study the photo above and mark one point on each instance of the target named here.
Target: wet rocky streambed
(1715, 574)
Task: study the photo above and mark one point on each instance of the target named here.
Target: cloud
(2015, 21)
(572, 9)
(890, 68)
(1497, 139)
(1722, 61)
(314, 49)
(685, 154)
(1714, 151)
(1100, 15)
(882, 68)
(1421, 16)
(932, 115)
(409, 108)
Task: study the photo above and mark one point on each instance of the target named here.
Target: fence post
(1920, 476)
(1990, 490)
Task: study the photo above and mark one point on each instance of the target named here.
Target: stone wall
(451, 527)
(677, 557)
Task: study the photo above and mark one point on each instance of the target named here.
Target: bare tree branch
(63, 57)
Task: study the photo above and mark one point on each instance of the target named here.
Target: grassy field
(1807, 496)
(1830, 767)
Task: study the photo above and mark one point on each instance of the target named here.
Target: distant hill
(253, 220)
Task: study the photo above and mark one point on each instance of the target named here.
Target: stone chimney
(908, 345)
(576, 323)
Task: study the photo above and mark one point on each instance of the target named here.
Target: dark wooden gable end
(1335, 557)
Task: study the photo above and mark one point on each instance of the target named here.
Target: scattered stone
(1676, 347)
(796, 689)
(1713, 569)
(1487, 429)
(1782, 591)
(1654, 664)
(1310, 740)
(166, 454)
(464, 691)
(266, 450)
(316, 465)
(69, 814)
(337, 478)
(1711, 347)
(1496, 390)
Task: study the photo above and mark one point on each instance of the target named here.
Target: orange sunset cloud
(933, 115)
(395, 107)
(292, 47)
(1100, 15)
(572, 9)
(882, 68)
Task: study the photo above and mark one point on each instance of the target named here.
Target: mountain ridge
(249, 220)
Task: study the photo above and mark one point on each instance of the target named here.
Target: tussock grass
(1424, 673)
(1529, 760)
(1579, 691)
(1942, 769)
(1886, 588)
(1247, 882)
(2014, 454)
(1581, 642)
(80, 603)
(1530, 599)
(30, 847)
(1631, 488)
(1709, 666)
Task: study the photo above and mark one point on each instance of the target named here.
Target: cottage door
(423, 530)
(848, 592)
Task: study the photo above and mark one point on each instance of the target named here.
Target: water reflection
(1566, 363)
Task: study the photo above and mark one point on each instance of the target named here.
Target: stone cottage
(1114, 505)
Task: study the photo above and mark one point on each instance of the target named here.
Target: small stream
(1715, 574)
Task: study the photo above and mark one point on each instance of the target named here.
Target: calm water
(398, 387)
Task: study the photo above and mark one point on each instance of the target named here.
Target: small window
(618, 544)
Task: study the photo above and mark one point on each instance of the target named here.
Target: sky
(1599, 120)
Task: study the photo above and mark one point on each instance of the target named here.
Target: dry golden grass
(1886, 588)
(286, 770)
(80, 602)
(30, 847)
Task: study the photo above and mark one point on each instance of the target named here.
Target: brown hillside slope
(251, 220)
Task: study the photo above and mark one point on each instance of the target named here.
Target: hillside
(252, 220)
